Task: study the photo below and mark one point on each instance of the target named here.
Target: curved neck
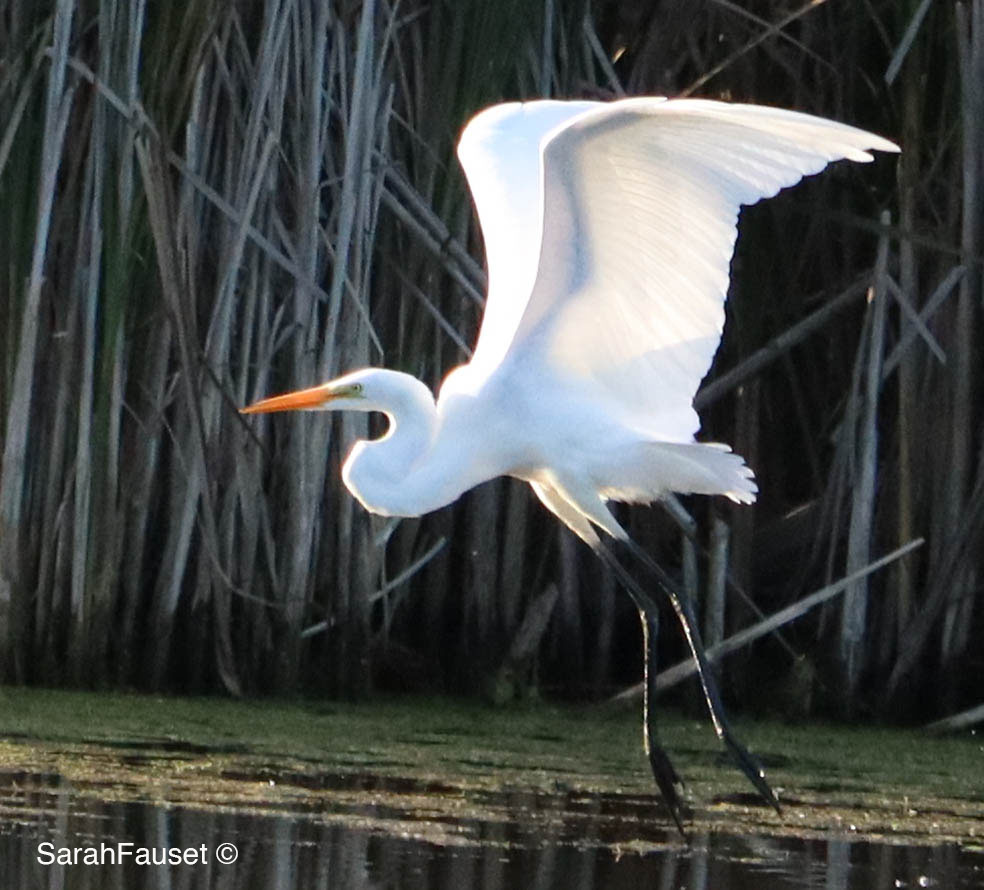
(396, 475)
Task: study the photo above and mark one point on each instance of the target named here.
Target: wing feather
(500, 152)
(610, 243)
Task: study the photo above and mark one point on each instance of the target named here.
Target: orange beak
(314, 397)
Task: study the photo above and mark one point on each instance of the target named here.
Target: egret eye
(357, 389)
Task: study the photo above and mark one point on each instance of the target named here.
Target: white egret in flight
(609, 229)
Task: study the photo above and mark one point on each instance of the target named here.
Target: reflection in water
(321, 847)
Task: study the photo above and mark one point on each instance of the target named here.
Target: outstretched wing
(500, 152)
(640, 200)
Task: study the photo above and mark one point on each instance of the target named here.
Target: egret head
(353, 392)
(369, 389)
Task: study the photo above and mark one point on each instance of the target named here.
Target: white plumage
(609, 230)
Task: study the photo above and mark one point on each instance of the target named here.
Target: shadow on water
(371, 831)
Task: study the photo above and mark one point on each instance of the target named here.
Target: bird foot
(668, 781)
(750, 766)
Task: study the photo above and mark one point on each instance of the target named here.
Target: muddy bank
(436, 767)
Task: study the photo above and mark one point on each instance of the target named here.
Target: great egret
(609, 230)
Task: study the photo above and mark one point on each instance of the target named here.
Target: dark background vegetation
(206, 202)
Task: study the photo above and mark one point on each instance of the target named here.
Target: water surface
(421, 793)
(375, 832)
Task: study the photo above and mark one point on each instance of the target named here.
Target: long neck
(400, 474)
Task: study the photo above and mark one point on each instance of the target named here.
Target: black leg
(666, 776)
(688, 621)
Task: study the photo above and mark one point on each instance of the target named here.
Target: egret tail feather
(650, 469)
